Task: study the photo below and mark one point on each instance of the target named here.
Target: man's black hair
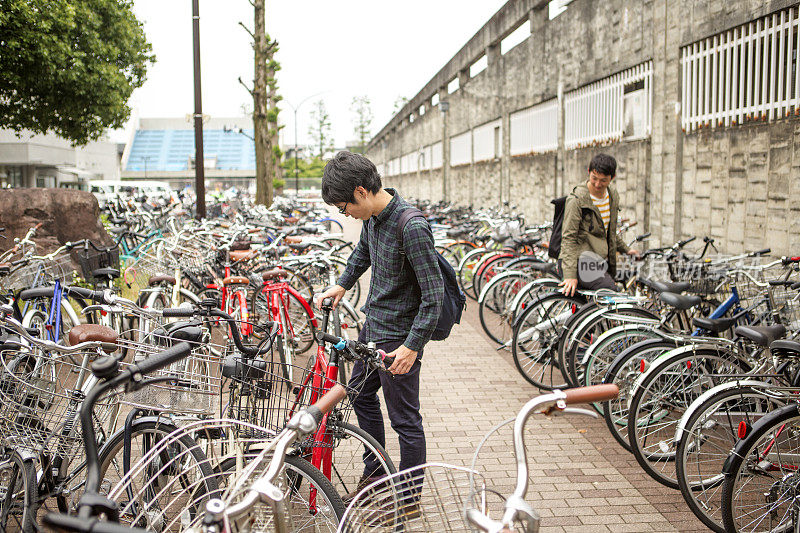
(344, 173)
(604, 164)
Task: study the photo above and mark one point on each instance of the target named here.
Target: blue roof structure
(170, 150)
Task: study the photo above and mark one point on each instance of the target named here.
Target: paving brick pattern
(580, 478)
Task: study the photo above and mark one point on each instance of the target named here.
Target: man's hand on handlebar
(336, 292)
(569, 286)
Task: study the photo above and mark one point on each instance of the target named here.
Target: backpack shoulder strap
(405, 216)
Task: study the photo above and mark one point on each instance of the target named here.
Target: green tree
(362, 121)
(308, 169)
(320, 129)
(69, 67)
(399, 104)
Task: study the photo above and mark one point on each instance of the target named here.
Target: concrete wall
(737, 184)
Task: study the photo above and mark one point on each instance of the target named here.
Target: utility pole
(199, 161)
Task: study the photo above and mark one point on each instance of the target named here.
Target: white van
(153, 189)
(105, 190)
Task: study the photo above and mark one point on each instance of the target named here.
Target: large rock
(66, 214)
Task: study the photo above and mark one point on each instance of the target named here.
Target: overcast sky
(341, 49)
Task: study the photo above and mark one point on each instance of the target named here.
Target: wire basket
(192, 385)
(91, 260)
(40, 397)
(266, 392)
(36, 272)
(431, 497)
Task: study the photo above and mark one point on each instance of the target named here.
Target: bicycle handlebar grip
(684, 242)
(162, 359)
(88, 294)
(787, 260)
(643, 236)
(327, 337)
(591, 394)
(764, 251)
(325, 404)
(177, 312)
(39, 225)
(64, 522)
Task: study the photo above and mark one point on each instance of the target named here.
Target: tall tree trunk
(264, 168)
(274, 141)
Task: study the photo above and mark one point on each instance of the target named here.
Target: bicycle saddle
(547, 268)
(785, 348)
(457, 232)
(240, 245)
(94, 333)
(116, 221)
(240, 255)
(665, 286)
(107, 273)
(761, 335)
(715, 325)
(5, 268)
(299, 246)
(275, 273)
(236, 280)
(681, 302)
(158, 278)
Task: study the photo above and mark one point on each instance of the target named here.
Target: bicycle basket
(40, 396)
(91, 260)
(37, 272)
(192, 385)
(266, 392)
(431, 497)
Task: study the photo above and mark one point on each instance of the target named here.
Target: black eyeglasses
(343, 210)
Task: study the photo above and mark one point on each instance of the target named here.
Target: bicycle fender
(708, 394)
(161, 420)
(662, 360)
(592, 316)
(495, 280)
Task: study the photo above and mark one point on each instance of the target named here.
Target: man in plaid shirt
(402, 307)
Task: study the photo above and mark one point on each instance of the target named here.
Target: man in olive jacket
(589, 240)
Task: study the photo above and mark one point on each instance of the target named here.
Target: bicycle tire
(584, 334)
(494, 305)
(661, 397)
(193, 479)
(19, 496)
(742, 471)
(535, 337)
(466, 269)
(297, 469)
(706, 442)
(351, 445)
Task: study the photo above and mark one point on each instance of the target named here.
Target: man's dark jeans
(401, 393)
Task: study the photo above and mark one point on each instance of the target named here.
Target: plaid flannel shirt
(402, 303)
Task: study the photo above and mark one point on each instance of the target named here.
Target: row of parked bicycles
(703, 347)
(178, 378)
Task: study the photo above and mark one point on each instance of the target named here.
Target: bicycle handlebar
(591, 394)
(161, 359)
(188, 312)
(64, 522)
(370, 355)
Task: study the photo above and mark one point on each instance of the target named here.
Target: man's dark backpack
(558, 220)
(454, 299)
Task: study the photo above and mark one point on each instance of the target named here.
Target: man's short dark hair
(344, 173)
(604, 164)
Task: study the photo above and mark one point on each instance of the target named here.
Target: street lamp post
(296, 169)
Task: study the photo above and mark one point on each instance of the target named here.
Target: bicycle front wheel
(169, 479)
(761, 476)
(535, 339)
(18, 495)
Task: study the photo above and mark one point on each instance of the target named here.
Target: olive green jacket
(583, 230)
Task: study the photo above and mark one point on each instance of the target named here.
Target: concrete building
(697, 99)
(34, 160)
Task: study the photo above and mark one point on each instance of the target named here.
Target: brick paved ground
(580, 478)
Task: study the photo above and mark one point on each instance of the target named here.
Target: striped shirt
(603, 205)
(402, 304)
